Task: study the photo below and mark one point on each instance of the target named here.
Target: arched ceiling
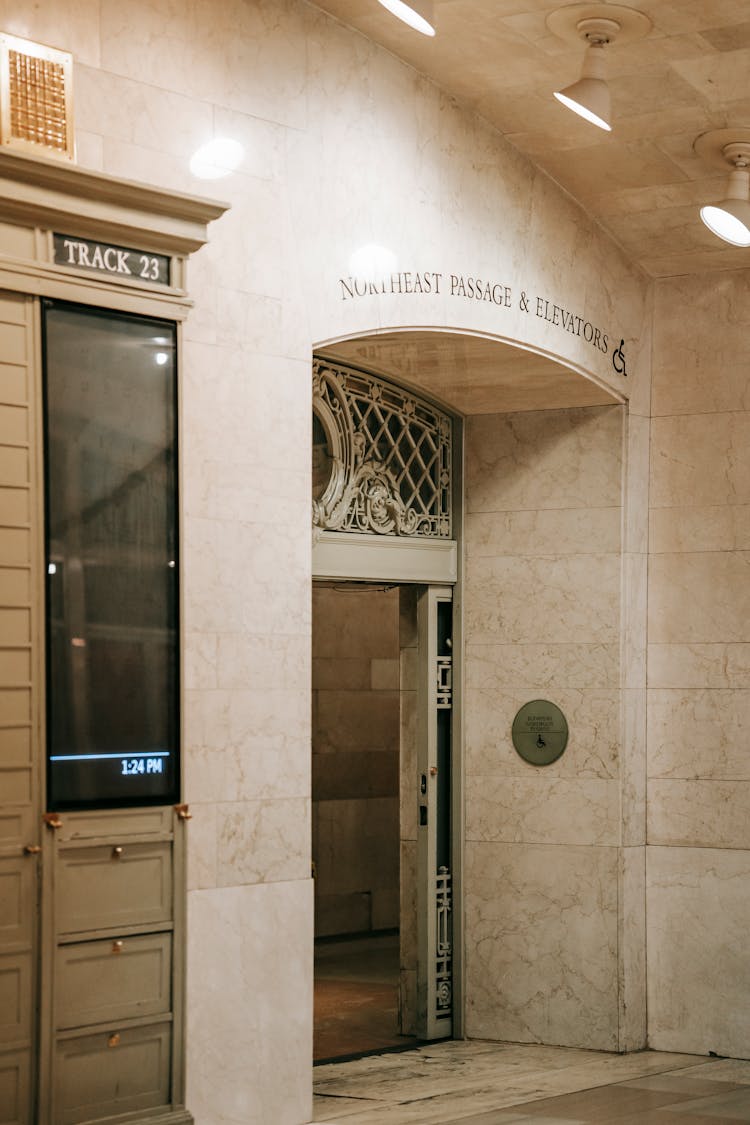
(642, 182)
(471, 374)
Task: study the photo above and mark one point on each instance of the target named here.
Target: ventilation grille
(36, 91)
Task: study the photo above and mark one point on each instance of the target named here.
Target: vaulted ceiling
(643, 182)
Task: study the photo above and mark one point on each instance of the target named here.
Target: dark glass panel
(112, 599)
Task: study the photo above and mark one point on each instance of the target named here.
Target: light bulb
(417, 14)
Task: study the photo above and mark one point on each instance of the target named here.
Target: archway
(540, 406)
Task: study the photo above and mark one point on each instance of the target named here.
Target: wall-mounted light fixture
(597, 25)
(730, 218)
(416, 13)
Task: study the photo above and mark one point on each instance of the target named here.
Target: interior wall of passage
(698, 661)
(543, 618)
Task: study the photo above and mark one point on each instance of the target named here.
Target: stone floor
(480, 1083)
(356, 996)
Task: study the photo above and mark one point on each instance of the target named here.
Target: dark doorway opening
(363, 949)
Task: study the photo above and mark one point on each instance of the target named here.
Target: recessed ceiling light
(217, 158)
(417, 13)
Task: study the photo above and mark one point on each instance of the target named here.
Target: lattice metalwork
(381, 456)
(36, 97)
(444, 945)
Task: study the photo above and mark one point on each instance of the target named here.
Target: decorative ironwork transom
(381, 456)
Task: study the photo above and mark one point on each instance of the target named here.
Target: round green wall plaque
(540, 732)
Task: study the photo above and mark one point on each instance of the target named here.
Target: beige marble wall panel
(701, 327)
(699, 460)
(632, 949)
(233, 488)
(247, 744)
(218, 587)
(202, 857)
(147, 118)
(517, 599)
(636, 484)
(699, 814)
(58, 25)
(263, 841)
(699, 734)
(593, 724)
(541, 944)
(633, 767)
(698, 920)
(699, 598)
(228, 420)
(634, 620)
(234, 1045)
(547, 664)
(698, 665)
(538, 625)
(542, 809)
(707, 528)
(242, 56)
(544, 459)
(562, 531)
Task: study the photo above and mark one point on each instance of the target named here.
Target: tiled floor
(480, 1083)
(356, 997)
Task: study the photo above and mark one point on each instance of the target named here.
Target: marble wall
(544, 863)
(347, 147)
(699, 668)
(355, 759)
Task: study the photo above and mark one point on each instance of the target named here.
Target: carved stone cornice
(39, 192)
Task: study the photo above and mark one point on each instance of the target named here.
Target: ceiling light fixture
(417, 13)
(598, 25)
(589, 96)
(729, 219)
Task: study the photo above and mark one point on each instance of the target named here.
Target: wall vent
(36, 98)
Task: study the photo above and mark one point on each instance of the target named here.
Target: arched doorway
(478, 379)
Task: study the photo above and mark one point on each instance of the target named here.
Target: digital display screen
(112, 563)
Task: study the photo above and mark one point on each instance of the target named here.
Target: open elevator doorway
(381, 817)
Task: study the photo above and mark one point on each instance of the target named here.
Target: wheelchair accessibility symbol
(618, 360)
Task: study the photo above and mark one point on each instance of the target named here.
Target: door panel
(434, 834)
(20, 601)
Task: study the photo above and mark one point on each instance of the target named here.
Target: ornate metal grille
(36, 97)
(444, 683)
(382, 457)
(443, 951)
